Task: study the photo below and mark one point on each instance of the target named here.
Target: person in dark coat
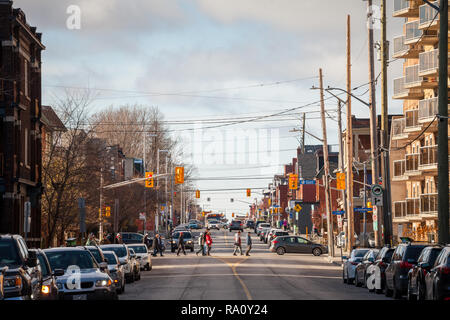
(249, 244)
(157, 245)
(181, 245)
(201, 243)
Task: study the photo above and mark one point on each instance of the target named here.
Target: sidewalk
(337, 259)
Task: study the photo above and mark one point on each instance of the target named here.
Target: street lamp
(157, 190)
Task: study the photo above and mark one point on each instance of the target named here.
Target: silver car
(124, 256)
(349, 265)
(142, 255)
(116, 271)
(84, 278)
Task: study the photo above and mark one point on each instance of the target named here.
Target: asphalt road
(261, 276)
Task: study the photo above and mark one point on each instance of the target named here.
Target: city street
(261, 276)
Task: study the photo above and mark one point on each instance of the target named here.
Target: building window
(26, 78)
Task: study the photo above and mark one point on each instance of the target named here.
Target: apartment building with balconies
(413, 142)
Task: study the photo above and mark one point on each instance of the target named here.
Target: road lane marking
(242, 275)
(233, 268)
(249, 265)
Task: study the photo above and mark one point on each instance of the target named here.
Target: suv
(132, 237)
(438, 279)
(250, 224)
(2, 277)
(214, 224)
(376, 277)
(403, 259)
(188, 241)
(123, 254)
(142, 255)
(49, 288)
(84, 278)
(23, 277)
(236, 225)
(261, 225)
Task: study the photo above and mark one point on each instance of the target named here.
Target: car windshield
(119, 251)
(65, 259)
(8, 253)
(96, 254)
(264, 225)
(413, 253)
(186, 235)
(139, 249)
(44, 269)
(433, 255)
(359, 253)
(111, 258)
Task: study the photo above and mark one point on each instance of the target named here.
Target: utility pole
(341, 151)
(373, 111)
(100, 218)
(303, 133)
(349, 145)
(326, 167)
(387, 217)
(443, 209)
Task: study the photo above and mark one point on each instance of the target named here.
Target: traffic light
(149, 183)
(232, 215)
(203, 213)
(369, 205)
(293, 181)
(179, 175)
(197, 194)
(249, 193)
(340, 182)
(108, 212)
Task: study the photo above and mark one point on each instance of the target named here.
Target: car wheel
(350, 280)
(387, 292)
(281, 251)
(343, 277)
(192, 249)
(357, 284)
(420, 292)
(396, 293)
(409, 295)
(317, 252)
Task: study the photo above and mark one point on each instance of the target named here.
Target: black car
(188, 241)
(236, 225)
(250, 224)
(361, 268)
(416, 276)
(438, 279)
(295, 244)
(23, 277)
(375, 273)
(49, 288)
(403, 259)
(132, 237)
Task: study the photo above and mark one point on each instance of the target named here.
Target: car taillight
(445, 270)
(274, 241)
(354, 263)
(405, 265)
(382, 264)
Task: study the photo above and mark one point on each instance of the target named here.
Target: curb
(330, 260)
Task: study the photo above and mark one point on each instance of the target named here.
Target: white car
(214, 224)
(269, 234)
(142, 255)
(349, 265)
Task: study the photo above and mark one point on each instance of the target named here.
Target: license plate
(79, 297)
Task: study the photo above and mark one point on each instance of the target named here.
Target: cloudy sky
(214, 59)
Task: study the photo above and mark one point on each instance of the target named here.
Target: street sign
(340, 181)
(375, 218)
(377, 195)
(293, 180)
(307, 181)
(298, 208)
(149, 183)
(142, 216)
(362, 209)
(339, 212)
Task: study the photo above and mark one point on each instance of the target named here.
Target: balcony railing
(412, 118)
(428, 108)
(399, 209)
(412, 78)
(427, 14)
(399, 168)
(398, 126)
(413, 33)
(399, 87)
(412, 162)
(428, 203)
(428, 61)
(412, 207)
(400, 5)
(400, 48)
(428, 155)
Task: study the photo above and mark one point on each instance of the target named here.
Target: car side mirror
(58, 272)
(103, 266)
(106, 260)
(424, 265)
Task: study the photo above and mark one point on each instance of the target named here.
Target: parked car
(236, 225)
(269, 235)
(143, 255)
(23, 277)
(49, 288)
(361, 269)
(437, 281)
(349, 265)
(116, 271)
(132, 237)
(296, 244)
(123, 254)
(375, 273)
(263, 233)
(260, 225)
(84, 278)
(136, 265)
(97, 253)
(188, 241)
(404, 258)
(275, 234)
(416, 275)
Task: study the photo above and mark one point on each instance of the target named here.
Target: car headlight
(45, 289)
(103, 283)
(15, 282)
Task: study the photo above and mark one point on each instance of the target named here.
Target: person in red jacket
(208, 242)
